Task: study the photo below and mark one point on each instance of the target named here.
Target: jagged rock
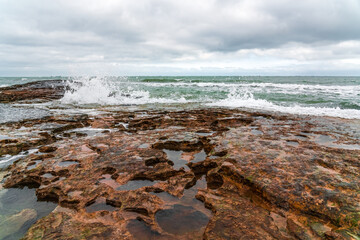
(256, 186)
(47, 149)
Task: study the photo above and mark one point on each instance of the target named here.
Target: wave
(224, 82)
(161, 80)
(103, 91)
(245, 99)
(270, 86)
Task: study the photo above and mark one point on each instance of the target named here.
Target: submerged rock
(12, 224)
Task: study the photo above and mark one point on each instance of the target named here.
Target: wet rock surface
(46, 90)
(199, 174)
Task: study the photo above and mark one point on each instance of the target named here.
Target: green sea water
(304, 95)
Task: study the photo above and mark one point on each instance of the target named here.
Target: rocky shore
(195, 174)
(45, 90)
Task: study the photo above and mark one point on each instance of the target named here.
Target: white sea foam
(103, 91)
(245, 99)
(8, 158)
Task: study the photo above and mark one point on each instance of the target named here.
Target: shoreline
(194, 174)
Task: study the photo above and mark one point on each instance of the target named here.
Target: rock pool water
(19, 209)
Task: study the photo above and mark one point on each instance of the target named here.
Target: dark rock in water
(46, 90)
(19, 209)
(180, 219)
(139, 230)
(13, 224)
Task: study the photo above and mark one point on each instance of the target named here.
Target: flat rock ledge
(42, 90)
(199, 174)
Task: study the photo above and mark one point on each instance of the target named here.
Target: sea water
(304, 95)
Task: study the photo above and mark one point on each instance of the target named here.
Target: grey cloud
(41, 34)
(280, 22)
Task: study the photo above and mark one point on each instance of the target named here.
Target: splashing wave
(106, 91)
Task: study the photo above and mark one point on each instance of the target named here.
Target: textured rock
(48, 89)
(279, 182)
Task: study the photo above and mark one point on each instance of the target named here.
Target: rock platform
(196, 174)
(45, 90)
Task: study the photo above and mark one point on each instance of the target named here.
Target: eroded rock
(48, 90)
(257, 186)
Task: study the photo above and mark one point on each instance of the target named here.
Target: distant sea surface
(304, 95)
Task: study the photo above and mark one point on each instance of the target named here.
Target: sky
(187, 37)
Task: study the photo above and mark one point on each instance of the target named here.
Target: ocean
(302, 95)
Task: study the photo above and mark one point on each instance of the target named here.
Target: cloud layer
(163, 37)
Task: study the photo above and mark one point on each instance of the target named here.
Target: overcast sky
(187, 37)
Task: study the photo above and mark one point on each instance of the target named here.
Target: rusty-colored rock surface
(46, 90)
(199, 174)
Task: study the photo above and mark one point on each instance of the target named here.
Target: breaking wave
(106, 91)
(245, 99)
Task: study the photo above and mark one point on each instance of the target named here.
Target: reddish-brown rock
(47, 90)
(217, 173)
